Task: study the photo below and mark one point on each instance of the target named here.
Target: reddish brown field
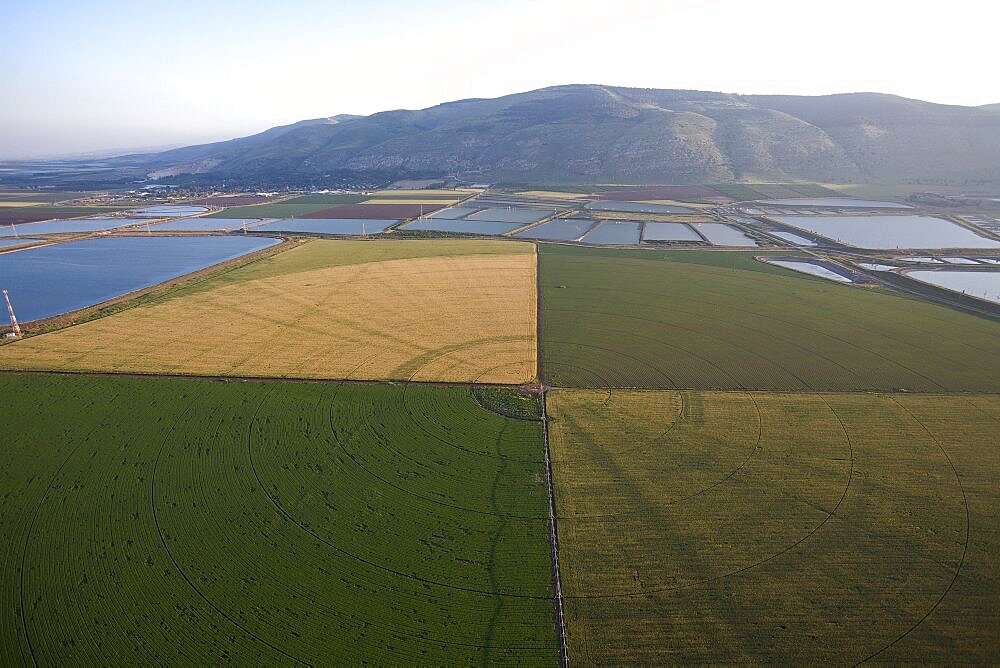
(664, 192)
(375, 211)
(237, 200)
(32, 214)
(14, 216)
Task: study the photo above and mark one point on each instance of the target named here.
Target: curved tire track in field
(663, 435)
(424, 581)
(31, 529)
(659, 324)
(451, 444)
(640, 362)
(965, 548)
(27, 540)
(707, 361)
(393, 485)
(491, 566)
(701, 313)
(427, 581)
(744, 569)
(173, 560)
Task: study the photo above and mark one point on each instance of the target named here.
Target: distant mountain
(591, 134)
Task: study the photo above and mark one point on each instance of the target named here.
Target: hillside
(590, 133)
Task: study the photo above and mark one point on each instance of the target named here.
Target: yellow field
(13, 204)
(315, 312)
(708, 527)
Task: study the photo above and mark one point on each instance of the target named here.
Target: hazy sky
(83, 75)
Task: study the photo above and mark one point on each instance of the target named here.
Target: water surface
(886, 232)
(342, 226)
(982, 284)
(453, 213)
(55, 279)
(75, 225)
(669, 232)
(168, 210)
(719, 234)
(811, 269)
(464, 226)
(794, 238)
(206, 224)
(511, 215)
(560, 229)
(617, 232)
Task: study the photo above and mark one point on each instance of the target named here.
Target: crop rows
(192, 522)
(777, 528)
(320, 310)
(718, 321)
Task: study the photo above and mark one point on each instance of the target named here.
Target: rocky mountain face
(598, 134)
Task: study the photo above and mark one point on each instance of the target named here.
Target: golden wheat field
(312, 312)
(708, 527)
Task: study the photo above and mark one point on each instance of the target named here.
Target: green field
(777, 529)
(749, 465)
(43, 196)
(181, 522)
(722, 320)
(41, 212)
(290, 208)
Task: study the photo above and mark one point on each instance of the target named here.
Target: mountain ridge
(587, 133)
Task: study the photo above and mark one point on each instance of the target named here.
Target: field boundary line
(471, 384)
(538, 326)
(554, 539)
(222, 378)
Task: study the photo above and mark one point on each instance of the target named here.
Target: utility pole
(13, 318)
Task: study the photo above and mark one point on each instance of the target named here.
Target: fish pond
(885, 232)
(811, 268)
(453, 213)
(339, 226)
(206, 224)
(464, 226)
(794, 238)
(981, 284)
(59, 278)
(64, 226)
(719, 234)
(669, 232)
(168, 211)
(511, 215)
(561, 229)
(616, 232)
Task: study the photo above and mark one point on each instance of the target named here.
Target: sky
(105, 75)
